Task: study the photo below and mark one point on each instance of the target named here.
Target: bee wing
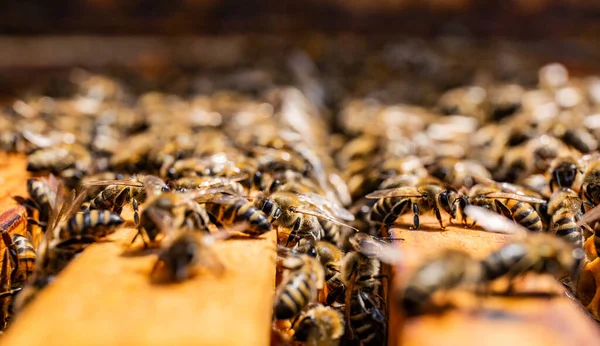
(162, 219)
(589, 217)
(112, 182)
(321, 216)
(211, 196)
(493, 222)
(73, 207)
(326, 206)
(506, 187)
(405, 191)
(153, 183)
(522, 198)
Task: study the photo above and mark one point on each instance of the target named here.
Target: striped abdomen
(386, 210)
(564, 225)
(39, 192)
(367, 321)
(240, 210)
(294, 294)
(503, 261)
(25, 255)
(524, 214)
(331, 231)
(112, 198)
(91, 225)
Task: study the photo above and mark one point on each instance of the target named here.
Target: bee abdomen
(91, 222)
(386, 210)
(565, 226)
(525, 215)
(259, 222)
(502, 261)
(293, 298)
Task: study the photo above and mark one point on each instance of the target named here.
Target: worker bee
(565, 210)
(300, 213)
(563, 172)
(590, 186)
(303, 278)
(367, 318)
(183, 251)
(424, 197)
(540, 253)
(7, 292)
(445, 271)
(330, 257)
(22, 256)
(229, 185)
(228, 210)
(118, 193)
(515, 206)
(458, 173)
(319, 325)
(72, 161)
(86, 227)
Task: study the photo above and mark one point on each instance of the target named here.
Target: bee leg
(294, 232)
(333, 295)
(415, 208)
(136, 215)
(438, 215)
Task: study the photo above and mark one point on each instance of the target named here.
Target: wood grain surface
(105, 297)
(528, 319)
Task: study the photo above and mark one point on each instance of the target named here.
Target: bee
(367, 318)
(300, 213)
(424, 197)
(229, 210)
(458, 173)
(590, 186)
(159, 213)
(564, 209)
(71, 161)
(22, 256)
(515, 206)
(118, 193)
(185, 250)
(540, 253)
(86, 227)
(563, 172)
(330, 257)
(230, 185)
(445, 271)
(319, 326)
(303, 278)
(7, 292)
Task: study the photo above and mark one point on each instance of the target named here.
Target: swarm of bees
(200, 169)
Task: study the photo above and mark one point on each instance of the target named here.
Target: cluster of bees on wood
(332, 181)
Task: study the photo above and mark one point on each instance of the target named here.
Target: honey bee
(22, 256)
(367, 318)
(565, 210)
(424, 197)
(230, 185)
(71, 161)
(159, 213)
(590, 186)
(515, 206)
(86, 227)
(445, 271)
(563, 172)
(539, 252)
(229, 210)
(303, 278)
(458, 173)
(300, 213)
(184, 251)
(118, 193)
(6, 292)
(319, 326)
(330, 257)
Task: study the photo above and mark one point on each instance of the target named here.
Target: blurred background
(156, 38)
